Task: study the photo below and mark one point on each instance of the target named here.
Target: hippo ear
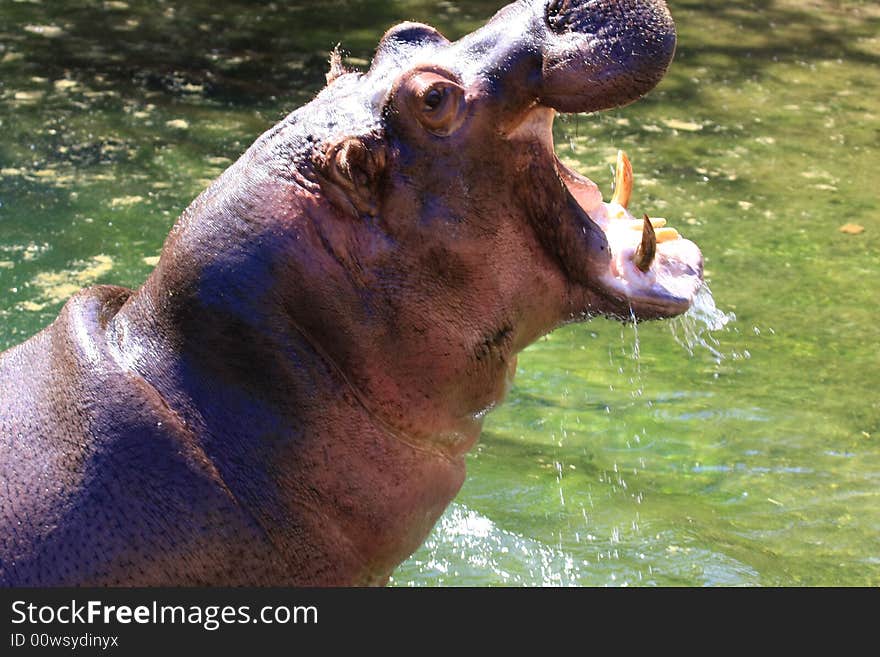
(350, 171)
(337, 68)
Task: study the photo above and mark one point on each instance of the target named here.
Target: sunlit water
(737, 445)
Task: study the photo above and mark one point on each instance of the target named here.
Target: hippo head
(455, 221)
(450, 144)
(405, 235)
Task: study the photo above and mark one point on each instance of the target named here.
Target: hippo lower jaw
(652, 270)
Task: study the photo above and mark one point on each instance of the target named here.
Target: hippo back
(98, 471)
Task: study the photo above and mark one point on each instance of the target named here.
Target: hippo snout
(571, 55)
(603, 53)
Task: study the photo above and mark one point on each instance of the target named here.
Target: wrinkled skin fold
(289, 397)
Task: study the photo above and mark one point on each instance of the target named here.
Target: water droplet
(692, 330)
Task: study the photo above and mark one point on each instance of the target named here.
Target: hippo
(289, 398)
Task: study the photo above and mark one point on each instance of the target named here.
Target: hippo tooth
(666, 235)
(636, 224)
(644, 254)
(623, 180)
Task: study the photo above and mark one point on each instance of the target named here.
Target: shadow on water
(770, 30)
(742, 40)
(251, 54)
(247, 51)
(241, 52)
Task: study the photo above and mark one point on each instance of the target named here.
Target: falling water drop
(693, 329)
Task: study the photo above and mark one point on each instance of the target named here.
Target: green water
(623, 456)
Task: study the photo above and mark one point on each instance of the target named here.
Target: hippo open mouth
(536, 59)
(595, 55)
(651, 266)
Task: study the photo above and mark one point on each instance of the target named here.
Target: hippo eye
(434, 97)
(442, 107)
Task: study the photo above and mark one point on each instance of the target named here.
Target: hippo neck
(291, 439)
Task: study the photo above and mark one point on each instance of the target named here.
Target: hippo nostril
(552, 13)
(558, 15)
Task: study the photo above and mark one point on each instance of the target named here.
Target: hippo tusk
(644, 254)
(623, 180)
